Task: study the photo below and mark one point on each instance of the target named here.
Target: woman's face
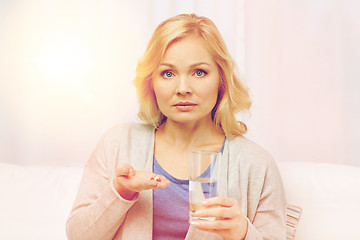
(186, 83)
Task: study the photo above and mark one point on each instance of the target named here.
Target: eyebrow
(191, 66)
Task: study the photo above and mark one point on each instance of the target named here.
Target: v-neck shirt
(171, 206)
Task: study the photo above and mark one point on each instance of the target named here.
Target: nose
(183, 86)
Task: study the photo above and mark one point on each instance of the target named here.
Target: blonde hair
(233, 97)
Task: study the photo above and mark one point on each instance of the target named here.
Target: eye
(167, 74)
(200, 73)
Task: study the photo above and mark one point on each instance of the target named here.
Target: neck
(190, 136)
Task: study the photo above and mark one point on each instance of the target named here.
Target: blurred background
(66, 71)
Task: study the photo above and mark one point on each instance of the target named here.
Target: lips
(185, 106)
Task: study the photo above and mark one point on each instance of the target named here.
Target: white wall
(302, 64)
(66, 69)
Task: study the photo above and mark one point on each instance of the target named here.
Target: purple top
(171, 206)
(170, 220)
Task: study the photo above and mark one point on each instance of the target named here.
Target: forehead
(187, 50)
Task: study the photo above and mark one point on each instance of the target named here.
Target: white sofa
(36, 200)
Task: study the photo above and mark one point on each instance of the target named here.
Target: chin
(188, 119)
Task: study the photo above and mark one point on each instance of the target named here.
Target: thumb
(125, 169)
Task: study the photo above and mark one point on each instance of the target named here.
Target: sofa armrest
(36, 200)
(329, 195)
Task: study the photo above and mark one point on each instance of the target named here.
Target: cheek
(161, 94)
(212, 95)
(211, 92)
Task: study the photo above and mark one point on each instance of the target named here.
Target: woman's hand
(229, 223)
(129, 181)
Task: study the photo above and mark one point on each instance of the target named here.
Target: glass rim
(204, 151)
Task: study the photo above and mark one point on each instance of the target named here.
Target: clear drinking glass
(203, 181)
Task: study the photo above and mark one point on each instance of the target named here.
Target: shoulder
(244, 146)
(127, 134)
(253, 163)
(248, 153)
(129, 129)
(130, 142)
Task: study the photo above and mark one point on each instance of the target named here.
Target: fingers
(218, 212)
(136, 181)
(234, 228)
(229, 222)
(159, 181)
(219, 201)
(216, 225)
(220, 207)
(128, 181)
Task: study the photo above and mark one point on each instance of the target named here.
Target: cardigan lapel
(194, 233)
(139, 219)
(224, 167)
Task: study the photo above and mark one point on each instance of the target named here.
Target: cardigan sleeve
(98, 210)
(269, 219)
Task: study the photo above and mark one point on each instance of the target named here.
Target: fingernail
(195, 223)
(205, 202)
(198, 212)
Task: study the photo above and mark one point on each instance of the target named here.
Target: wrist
(245, 228)
(124, 193)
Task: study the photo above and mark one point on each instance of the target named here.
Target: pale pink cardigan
(100, 213)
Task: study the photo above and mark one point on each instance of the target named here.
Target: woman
(189, 92)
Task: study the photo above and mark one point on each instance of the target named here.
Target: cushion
(329, 195)
(36, 200)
